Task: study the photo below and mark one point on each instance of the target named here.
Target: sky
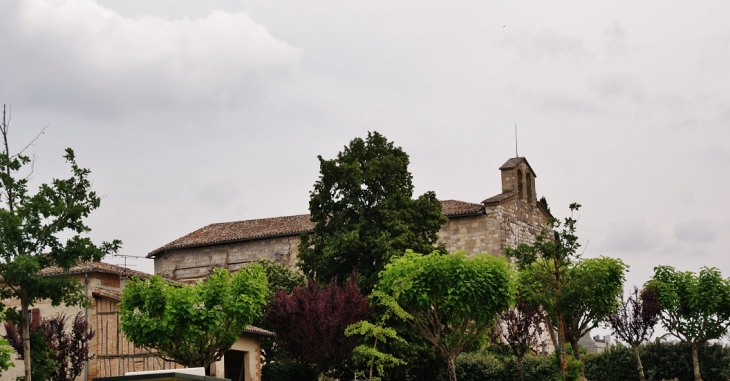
(190, 113)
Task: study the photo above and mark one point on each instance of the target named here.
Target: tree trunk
(696, 362)
(561, 343)
(639, 367)
(520, 367)
(576, 354)
(452, 368)
(25, 326)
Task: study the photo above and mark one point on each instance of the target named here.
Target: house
(507, 219)
(112, 354)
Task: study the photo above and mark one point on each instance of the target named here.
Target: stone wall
(472, 234)
(521, 222)
(198, 262)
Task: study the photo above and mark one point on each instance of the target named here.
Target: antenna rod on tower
(516, 154)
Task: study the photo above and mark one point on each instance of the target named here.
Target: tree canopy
(695, 307)
(193, 325)
(42, 230)
(453, 299)
(577, 294)
(364, 213)
(310, 323)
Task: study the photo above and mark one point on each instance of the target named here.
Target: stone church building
(507, 219)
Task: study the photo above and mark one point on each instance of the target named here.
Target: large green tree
(364, 213)
(42, 230)
(193, 325)
(454, 300)
(576, 294)
(695, 307)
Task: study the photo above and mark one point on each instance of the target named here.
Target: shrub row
(661, 361)
(286, 371)
(478, 367)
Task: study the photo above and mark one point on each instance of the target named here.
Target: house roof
(515, 161)
(499, 198)
(258, 331)
(89, 267)
(237, 231)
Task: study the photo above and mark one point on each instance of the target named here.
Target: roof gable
(514, 162)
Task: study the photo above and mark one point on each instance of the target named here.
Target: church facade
(507, 219)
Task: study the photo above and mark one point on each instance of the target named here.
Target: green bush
(287, 371)
(479, 367)
(661, 361)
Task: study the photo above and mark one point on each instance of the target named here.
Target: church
(506, 219)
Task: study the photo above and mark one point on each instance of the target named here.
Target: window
(519, 184)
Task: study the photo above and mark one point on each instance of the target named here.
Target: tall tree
(5, 351)
(576, 294)
(310, 323)
(193, 325)
(634, 320)
(364, 213)
(695, 307)
(65, 350)
(42, 230)
(519, 331)
(454, 300)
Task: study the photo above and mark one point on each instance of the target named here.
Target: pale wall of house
(472, 234)
(252, 359)
(199, 262)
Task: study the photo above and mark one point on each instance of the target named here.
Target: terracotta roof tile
(258, 331)
(499, 198)
(277, 226)
(88, 267)
(113, 295)
(453, 208)
(513, 162)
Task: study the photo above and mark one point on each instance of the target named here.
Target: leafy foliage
(695, 308)
(577, 294)
(480, 367)
(41, 230)
(453, 299)
(287, 371)
(661, 361)
(379, 333)
(520, 330)
(281, 278)
(364, 214)
(310, 323)
(5, 351)
(634, 320)
(193, 325)
(60, 353)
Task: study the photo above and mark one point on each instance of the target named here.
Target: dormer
(518, 176)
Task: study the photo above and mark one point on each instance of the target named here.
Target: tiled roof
(88, 267)
(258, 331)
(278, 226)
(499, 198)
(241, 231)
(113, 295)
(515, 161)
(453, 208)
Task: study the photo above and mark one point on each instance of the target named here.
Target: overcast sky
(194, 112)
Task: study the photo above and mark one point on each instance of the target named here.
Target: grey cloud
(534, 46)
(631, 236)
(216, 193)
(697, 230)
(75, 54)
(616, 37)
(619, 86)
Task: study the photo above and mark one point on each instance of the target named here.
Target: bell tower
(518, 177)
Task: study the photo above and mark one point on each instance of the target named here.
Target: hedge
(661, 361)
(287, 371)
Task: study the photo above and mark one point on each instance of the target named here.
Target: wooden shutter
(35, 319)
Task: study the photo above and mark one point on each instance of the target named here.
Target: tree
(375, 358)
(695, 308)
(62, 353)
(364, 214)
(634, 320)
(521, 326)
(41, 230)
(576, 294)
(281, 278)
(193, 325)
(310, 323)
(454, 300)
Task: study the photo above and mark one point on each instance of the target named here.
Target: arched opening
(529, 188)
(519, 184)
